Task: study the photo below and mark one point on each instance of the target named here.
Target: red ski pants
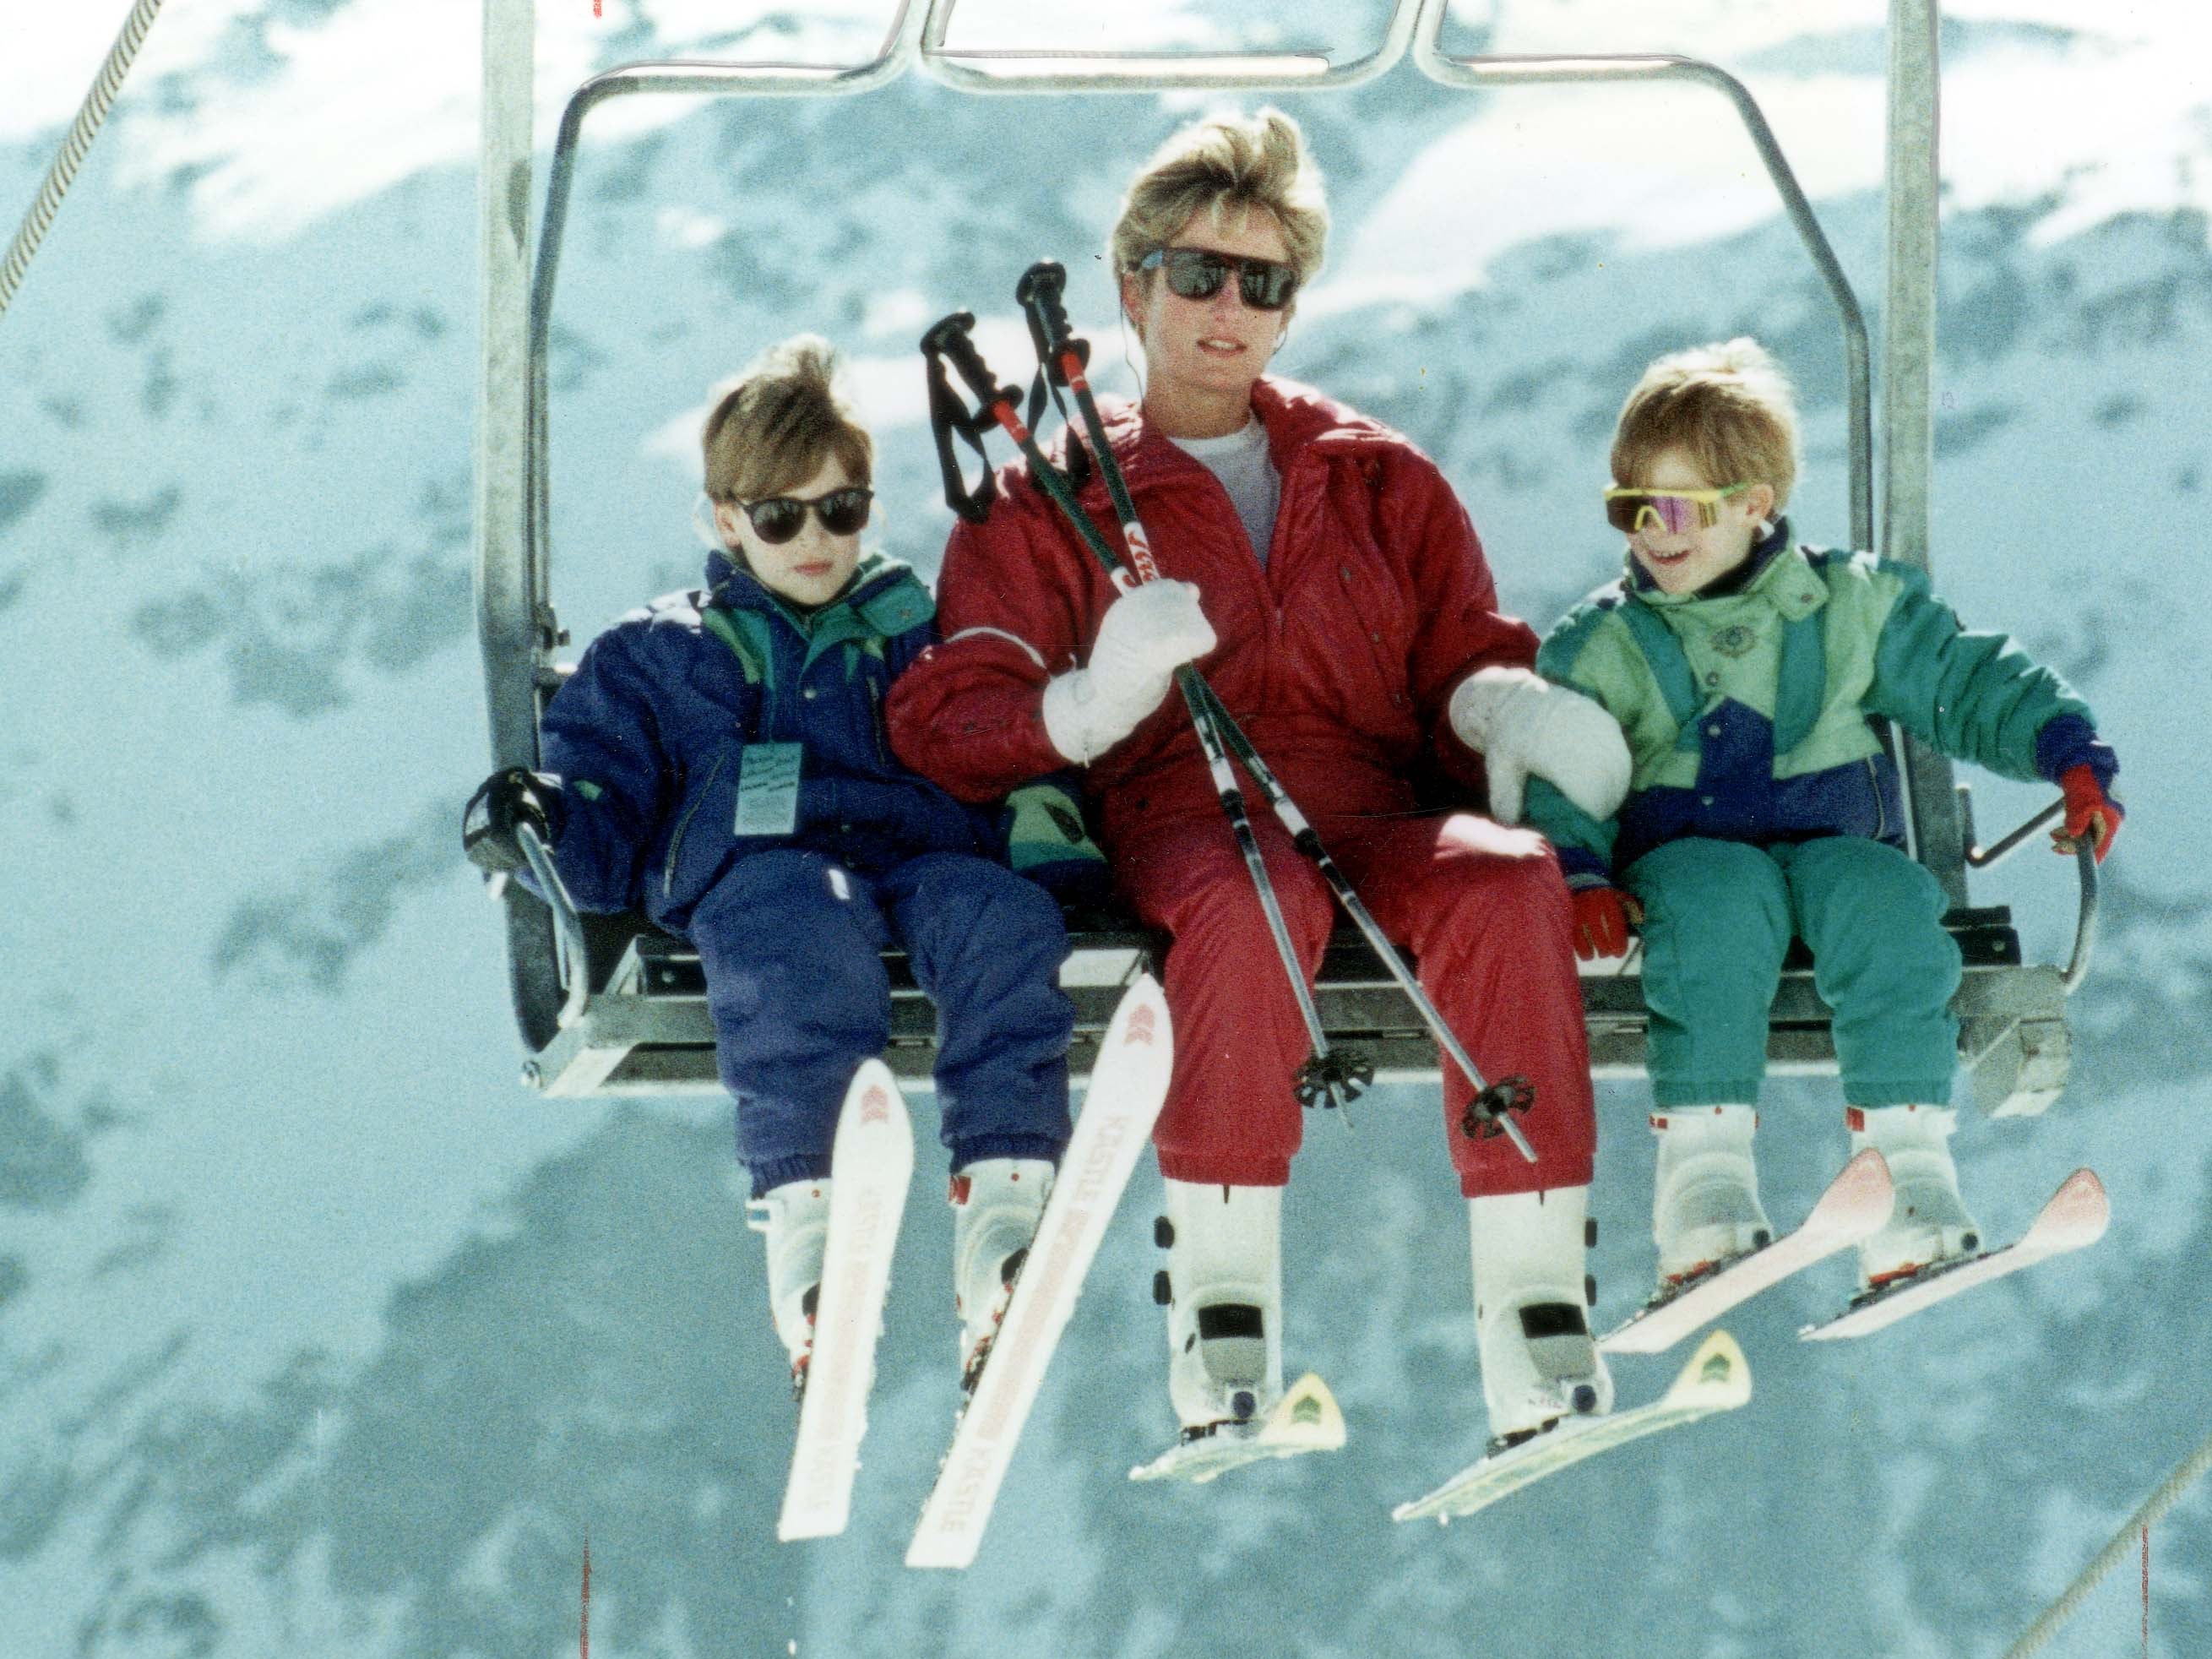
(1482, 908)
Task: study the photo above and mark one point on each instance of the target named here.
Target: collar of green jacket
(1781, 576)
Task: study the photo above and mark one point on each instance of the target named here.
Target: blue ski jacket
(649, 738)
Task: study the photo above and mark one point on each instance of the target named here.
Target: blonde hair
(1222, 162)
(1728, 406)
(780, 421)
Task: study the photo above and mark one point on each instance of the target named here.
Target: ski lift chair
(609, 1004)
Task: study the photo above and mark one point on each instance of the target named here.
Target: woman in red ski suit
(1340, 636)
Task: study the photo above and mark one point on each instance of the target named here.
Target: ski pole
(1329, 1077)
(1039, 293)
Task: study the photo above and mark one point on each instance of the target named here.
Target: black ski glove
(503, 801)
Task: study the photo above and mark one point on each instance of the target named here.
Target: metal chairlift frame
(609, 1005)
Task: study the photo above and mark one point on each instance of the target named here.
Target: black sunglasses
(1197, 273)
(777, 519)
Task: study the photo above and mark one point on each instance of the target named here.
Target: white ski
(1305, 1419)
(1716, 1379)
(1128, 1083)
(1855, 1206)
(871, 1167)
(2074, 1218)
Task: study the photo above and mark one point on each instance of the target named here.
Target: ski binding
(1716, 1379)
(2074, 1217)
(1305, 1419)
(1855, 1206)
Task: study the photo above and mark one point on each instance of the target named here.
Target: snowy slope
(319, 1335)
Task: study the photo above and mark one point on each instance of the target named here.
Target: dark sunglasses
(1197, 273)
(777, 519)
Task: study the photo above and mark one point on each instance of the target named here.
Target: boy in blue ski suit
(719, 760)
(1745, 672)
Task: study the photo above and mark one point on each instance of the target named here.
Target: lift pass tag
(768, 789)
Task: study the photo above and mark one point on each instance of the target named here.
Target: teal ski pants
(1717, 916)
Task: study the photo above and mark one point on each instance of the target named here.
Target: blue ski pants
(1718, 917)
(790, 943)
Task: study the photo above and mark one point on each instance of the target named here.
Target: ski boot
(795, 1219)
(997, 1203)
(1224, 1291)
(1929, 1225)
(1540, 1362)
(1704, 1197)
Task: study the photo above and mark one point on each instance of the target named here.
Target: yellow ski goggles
(1671, 511)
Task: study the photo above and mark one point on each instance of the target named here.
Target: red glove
(2089, 811)
(1601, 918)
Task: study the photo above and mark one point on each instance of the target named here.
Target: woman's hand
(1519, 723)
(1144, 637)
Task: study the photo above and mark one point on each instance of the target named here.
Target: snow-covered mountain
(320, 1335)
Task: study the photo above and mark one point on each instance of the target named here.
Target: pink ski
(1854, 1206)
(2074, 1218)
(1129, 1084)
(872, 1166)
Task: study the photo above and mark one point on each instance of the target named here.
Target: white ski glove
(1144, 637)
(1519, 723)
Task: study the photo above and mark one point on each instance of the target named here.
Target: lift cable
(2169, 1492)
(93, 111)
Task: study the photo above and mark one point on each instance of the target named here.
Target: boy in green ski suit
(1745, 672)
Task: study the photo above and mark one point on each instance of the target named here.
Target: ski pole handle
(1039, 295)
(1042, 294)
(948, 339)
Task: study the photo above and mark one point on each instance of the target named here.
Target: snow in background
(320, 1335)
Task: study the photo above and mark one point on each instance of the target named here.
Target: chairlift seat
(646, 1030)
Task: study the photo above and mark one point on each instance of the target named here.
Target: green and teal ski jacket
(1749, 711)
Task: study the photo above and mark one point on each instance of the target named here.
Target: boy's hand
(1602, 918)
(2089, 811)
(502, 802)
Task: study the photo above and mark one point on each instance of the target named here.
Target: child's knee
(1717, 886)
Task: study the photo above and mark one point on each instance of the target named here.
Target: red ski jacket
(1338, 657)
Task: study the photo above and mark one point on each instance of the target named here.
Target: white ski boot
(1704, 1197)
(1224, 1290)
(1928, 1224)
(997, 1203)
(795, 1219)
(1540, 1362)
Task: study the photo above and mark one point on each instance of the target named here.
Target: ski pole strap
(949, 418)
(947, 344)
